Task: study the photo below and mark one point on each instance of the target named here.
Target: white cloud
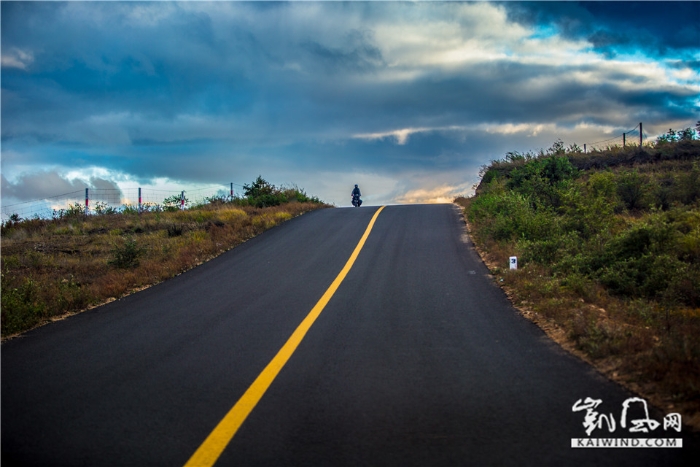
(526, 129)
(529, 129)
(400, 136)
(17, 58)
(459, 33)
(434, 194)
(149, 14)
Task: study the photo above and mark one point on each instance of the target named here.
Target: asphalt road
(417, 360)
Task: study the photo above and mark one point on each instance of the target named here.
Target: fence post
(182, 200)
(139, 200)
(231, 190)
(624, 139)
(87, 201)
(584, 148)
(640, 135)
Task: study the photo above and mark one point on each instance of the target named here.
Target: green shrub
(508, 212)
(581, 285)
(662, 192)
(175, 230)
(130, 210)
(550, 249)
(689, 185)
(74, 211)
(267, 200)
(71, 295)
(589, 208)
(103, 209)
(22, 307)
(543, 179)
(174, 203)
(127, 255)
(261, 193)
(631, 189)
(685, 287)
(647, 275)
(297, 194)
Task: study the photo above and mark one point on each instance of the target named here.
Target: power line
(44, 199)
(636, 130)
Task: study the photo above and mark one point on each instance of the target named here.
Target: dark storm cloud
(504, 91)
(359, 54)
(611, 27)
(157, 70)
(187, 66)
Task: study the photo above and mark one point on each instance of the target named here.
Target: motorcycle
(356, 201)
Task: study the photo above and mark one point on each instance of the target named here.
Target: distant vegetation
(50, 267)
(608, 246)
(260, 193)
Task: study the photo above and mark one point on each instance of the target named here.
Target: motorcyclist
(356, 196)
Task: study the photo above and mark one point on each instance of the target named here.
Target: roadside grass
(608, 261)
(54, 267)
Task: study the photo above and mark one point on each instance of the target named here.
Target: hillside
(608, 248)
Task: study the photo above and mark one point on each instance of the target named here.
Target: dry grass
(653, 351)
(53, 268)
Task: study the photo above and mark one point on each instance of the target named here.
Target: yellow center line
(216, 442)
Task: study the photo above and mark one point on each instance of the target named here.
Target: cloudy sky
(406, 99)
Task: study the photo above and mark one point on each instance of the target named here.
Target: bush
(295, 193)
(662, 193)
(631, 189)
(104, 209)
(127, 255)
(506, 211)
(259, 187)
(174, 202)
(74, 211)
(130, 210)
(589, 209)
(22, 307)
(672, 136)
(175, 230)
(549, 250)
(543, 179)
(690, 185)
(646, 276)
(260, 193)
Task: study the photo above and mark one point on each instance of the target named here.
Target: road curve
(417, 359)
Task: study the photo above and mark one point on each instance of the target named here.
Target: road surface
(418, 359)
